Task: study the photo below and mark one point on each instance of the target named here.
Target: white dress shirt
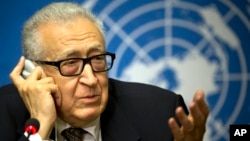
(93, 129)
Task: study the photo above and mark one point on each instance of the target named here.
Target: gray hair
(60, 12)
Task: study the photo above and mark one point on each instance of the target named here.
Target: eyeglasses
(75, 66)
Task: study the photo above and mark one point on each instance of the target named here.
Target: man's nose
(88, 76)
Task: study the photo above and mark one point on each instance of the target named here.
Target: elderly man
(69, 88)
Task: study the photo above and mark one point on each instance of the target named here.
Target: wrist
(46, 127)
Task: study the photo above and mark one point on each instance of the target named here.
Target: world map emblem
(184, 46)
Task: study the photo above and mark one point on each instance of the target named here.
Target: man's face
(83, 97)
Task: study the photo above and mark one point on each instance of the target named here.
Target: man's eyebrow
(98, 48)
(69, 53)
(74, 52)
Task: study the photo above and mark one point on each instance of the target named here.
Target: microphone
(31, 128)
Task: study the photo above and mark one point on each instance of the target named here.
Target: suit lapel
(115, 126)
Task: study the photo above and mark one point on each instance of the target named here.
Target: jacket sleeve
(13, 114)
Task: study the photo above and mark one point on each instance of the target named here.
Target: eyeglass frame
(84, 62)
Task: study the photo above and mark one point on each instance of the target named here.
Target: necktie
(73, 134)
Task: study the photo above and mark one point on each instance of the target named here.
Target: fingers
(193, 125)
(199, 100)
(187, 124)
(15, 76)
(36, 79)
(177, 134)
(199, 119)
(199, 110)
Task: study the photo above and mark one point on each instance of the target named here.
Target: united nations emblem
(183, 46)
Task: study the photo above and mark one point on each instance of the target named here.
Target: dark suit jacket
(135, 112)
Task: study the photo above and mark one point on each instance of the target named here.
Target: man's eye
(99, 58)
(70, 62)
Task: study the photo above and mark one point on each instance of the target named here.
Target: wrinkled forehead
(77, 39)
(81, 52)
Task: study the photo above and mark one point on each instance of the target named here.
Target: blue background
(13, 14)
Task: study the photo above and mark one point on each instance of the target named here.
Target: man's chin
(81, 117)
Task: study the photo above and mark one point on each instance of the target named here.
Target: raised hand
(37, 93)
(193, 126)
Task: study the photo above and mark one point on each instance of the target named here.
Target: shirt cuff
(34, 137)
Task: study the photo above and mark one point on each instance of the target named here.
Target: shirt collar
(92, 128)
